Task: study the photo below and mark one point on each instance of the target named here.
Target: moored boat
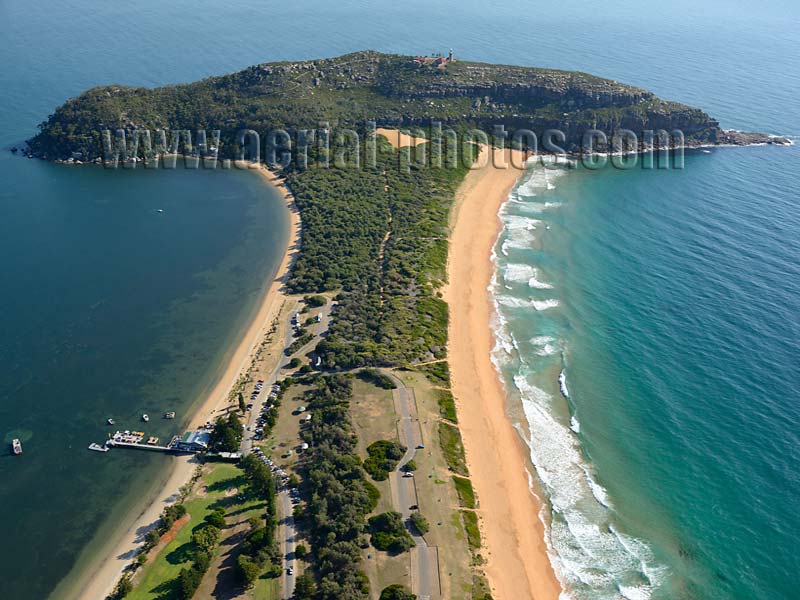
(16, 446)
(145, 417)
(169, 415)
(98, 447)
(110, 421)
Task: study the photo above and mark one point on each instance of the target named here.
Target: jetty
(191, 442)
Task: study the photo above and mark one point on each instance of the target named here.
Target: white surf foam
(574, 424)
(517, 273)
(562, 384)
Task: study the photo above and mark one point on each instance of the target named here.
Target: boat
(110, 421)
(98, 447)
(145, 417)
(169, 415)
(16, 446)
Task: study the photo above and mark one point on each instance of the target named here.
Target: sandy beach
(518, 566)
(100, 581)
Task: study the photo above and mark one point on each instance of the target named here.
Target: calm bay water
(677, 316)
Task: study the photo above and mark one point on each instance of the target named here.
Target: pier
(190, 443)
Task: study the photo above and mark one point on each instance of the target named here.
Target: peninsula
(386, 468)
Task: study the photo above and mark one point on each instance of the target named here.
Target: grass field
(157, 579)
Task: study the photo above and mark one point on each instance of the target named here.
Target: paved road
(425, 582)
(317, 329)
(286, 531)
(288, 535)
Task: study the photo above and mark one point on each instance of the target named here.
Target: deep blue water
(677, 315)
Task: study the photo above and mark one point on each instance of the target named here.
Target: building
(193, 441)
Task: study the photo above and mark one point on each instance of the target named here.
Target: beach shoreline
(518, 564)
(99, 580)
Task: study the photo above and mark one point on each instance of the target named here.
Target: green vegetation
(298, 343)
(305, 588)
(383, 458)
(123, 588)
(466, 495)
(336, 490)
(375, 377)
(397, 592)
(410, 465)
(447, 406)
(453, 448)
(260, 548)
(293, 364)
(471, 527)
(389, 534)
(378, 235)
(227, 434)
(315, 301)
(367, 86)
(420, 522)
(162, 576)
(438, 372)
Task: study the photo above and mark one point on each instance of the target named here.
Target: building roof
(199, 437)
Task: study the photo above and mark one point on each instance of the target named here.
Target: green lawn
(157, 580)
(267, 589)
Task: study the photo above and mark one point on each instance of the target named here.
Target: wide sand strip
(518, 566)
(99, 582)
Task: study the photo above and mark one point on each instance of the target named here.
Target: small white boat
(145, 417)
(16, 446)
(98, 447)
(169, 415)
(110, 421)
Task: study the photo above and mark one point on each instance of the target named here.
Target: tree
(397, 592)
(242, 403)
(123, 588)
(304, 587)
(205, 537)
(248, 570)
(301, 551)
(217, 518)
(227, 434)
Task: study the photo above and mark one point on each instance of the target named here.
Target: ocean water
(667, 298)
(647, 325)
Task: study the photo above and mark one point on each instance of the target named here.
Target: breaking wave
(591, 558)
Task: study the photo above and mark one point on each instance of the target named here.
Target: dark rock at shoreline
(744, 138)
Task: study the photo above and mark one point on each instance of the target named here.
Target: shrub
(453, 448)
(420, 522)
(470, 520)
(376, 378)
(397, 592)
(383, 458)
(123, 587)
(315, 301)
(447, 406)
(466, 494)
(389, 534)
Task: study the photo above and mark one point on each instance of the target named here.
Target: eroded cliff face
(389, 89)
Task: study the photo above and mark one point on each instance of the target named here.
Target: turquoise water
(670, 453)
(677, 316)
